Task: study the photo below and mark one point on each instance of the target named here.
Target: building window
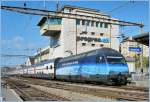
(101, 34)
(54, 21)
(78, 21)
(106, 25)
(83, 44)
(93, 45)
(97, 23)
(101, 24)
(93, 33)
(92, 23)
(88, 23)
(84, 32)
(101, 45)
(83, 22)
(70, 10)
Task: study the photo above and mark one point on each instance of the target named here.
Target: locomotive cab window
(115, 60)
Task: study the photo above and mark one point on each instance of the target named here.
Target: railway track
(130, 88)
(110, 92)
(28, 93)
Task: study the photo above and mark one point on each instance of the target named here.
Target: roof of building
(74, 7)
(83, 8)
(42, 21)
(142, 38)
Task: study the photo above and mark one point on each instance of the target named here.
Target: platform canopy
(142, 38)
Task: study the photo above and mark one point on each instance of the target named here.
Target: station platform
(141, 83)
(8, 94)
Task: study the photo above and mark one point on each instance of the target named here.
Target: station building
(131, 48)
(74, 36)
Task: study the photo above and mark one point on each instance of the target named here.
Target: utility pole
(57, 6)
(39, 51)
(141, 55)
(45, 4)
(110, 34)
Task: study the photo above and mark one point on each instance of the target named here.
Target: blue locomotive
(103, 65)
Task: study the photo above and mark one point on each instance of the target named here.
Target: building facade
(131, 48)
(42, 54)
(75, 36)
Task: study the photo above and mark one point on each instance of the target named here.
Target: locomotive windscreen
(115, 60)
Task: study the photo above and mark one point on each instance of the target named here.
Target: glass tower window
(54, 21)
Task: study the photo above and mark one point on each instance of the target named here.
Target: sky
(20, 34)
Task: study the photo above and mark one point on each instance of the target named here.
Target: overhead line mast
(48, 13)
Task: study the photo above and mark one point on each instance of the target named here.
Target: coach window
(46, 67)
(51, 67)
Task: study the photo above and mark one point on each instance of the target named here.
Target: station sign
(89, 39)
(135, 49)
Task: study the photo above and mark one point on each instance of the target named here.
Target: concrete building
(42, 54)
(74, 36)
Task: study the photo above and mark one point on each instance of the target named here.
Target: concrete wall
(70, 31)
(68, 36)
(131, 66)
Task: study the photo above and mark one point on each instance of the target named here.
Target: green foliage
(138, 63)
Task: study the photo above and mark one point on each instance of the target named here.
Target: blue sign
(104, 40)
(135, 49)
